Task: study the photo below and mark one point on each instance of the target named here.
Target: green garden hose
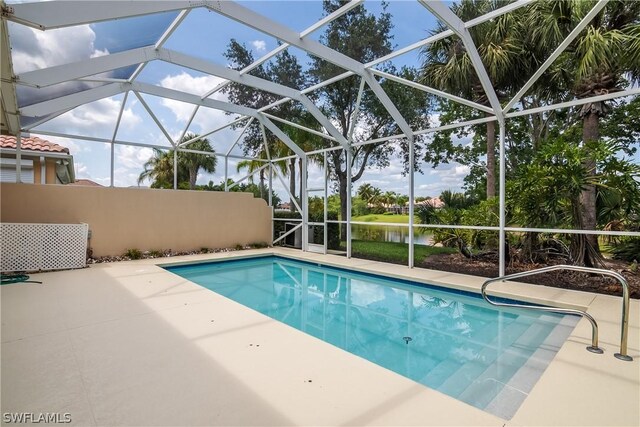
(16, 278)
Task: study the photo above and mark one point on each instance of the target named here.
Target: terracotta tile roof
(86, 182)
(32, 144)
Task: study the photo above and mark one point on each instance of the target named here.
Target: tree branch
(367, 153)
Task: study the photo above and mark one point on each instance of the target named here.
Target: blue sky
(203, 34)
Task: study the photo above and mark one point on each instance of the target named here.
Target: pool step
(439, 373)
(508, 400)
(453, 368)
(469, 372)
(489, 383)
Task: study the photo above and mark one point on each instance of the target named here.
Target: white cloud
(131, 157)
(97, 119)
(81, 170)
(259, 45)
(199, 86)
(97, 53)
(33, 49)
(206, 119)
(451, 170)
(106, 181)
(196, 85)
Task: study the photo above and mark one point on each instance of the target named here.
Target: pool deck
(129, 343)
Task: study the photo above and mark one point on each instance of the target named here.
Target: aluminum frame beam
(219, 128)
(59, 74)
(248, 176)
(154, 118)
(281, 135)
(162, 40)
(433, 91)
(9, 102)
(74, 100)
(59, 14)
(296, 125)
(244, 129)
(113, 138)
(89, 67)
(254, 20)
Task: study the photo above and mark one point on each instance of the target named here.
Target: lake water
(383, 233)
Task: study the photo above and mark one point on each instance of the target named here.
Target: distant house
(42, 161)
(86, 183)
(435, 202)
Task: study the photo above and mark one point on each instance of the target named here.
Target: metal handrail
(622, 355)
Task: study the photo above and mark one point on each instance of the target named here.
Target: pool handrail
(622, 355)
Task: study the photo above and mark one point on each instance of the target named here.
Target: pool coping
(605, 308)
(577, 388)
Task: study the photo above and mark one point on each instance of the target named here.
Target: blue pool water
(448, 340)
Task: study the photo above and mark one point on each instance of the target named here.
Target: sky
(203, 34)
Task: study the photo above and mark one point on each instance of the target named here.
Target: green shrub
(333, 229)
(359, 207)
(155, 254)
(378, 210)
(627, 250)
(133, 254)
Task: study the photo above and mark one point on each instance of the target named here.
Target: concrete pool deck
(129, 343)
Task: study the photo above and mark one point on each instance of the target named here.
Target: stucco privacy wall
(145, 219)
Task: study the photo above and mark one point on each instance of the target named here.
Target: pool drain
(407, 339)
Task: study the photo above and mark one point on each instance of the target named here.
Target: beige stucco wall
(145, 219)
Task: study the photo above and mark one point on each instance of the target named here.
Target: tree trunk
(193, 176)
(491, 159)
(342, 184)
(301, 178)
(262, 184)
(588, 212)
(292, 182)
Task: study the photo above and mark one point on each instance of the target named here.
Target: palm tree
(376, 196)
(447, 65)
(194, 162)
(159, 169)
(402, 201)
(252, 166)
(364, 191)
(599, 61)
(390, 198)
(454, 200)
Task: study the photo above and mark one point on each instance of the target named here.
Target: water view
(383, 233)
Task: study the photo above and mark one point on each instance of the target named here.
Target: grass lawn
(395, 253)
(396, 219)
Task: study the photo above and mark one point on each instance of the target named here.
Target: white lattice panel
(33, 247)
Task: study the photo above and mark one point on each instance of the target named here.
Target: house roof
(435, 202)
(86, 183)
(32, 144)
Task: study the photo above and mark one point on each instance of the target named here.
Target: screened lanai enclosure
(135, 36)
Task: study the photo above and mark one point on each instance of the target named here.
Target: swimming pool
(448, 340)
